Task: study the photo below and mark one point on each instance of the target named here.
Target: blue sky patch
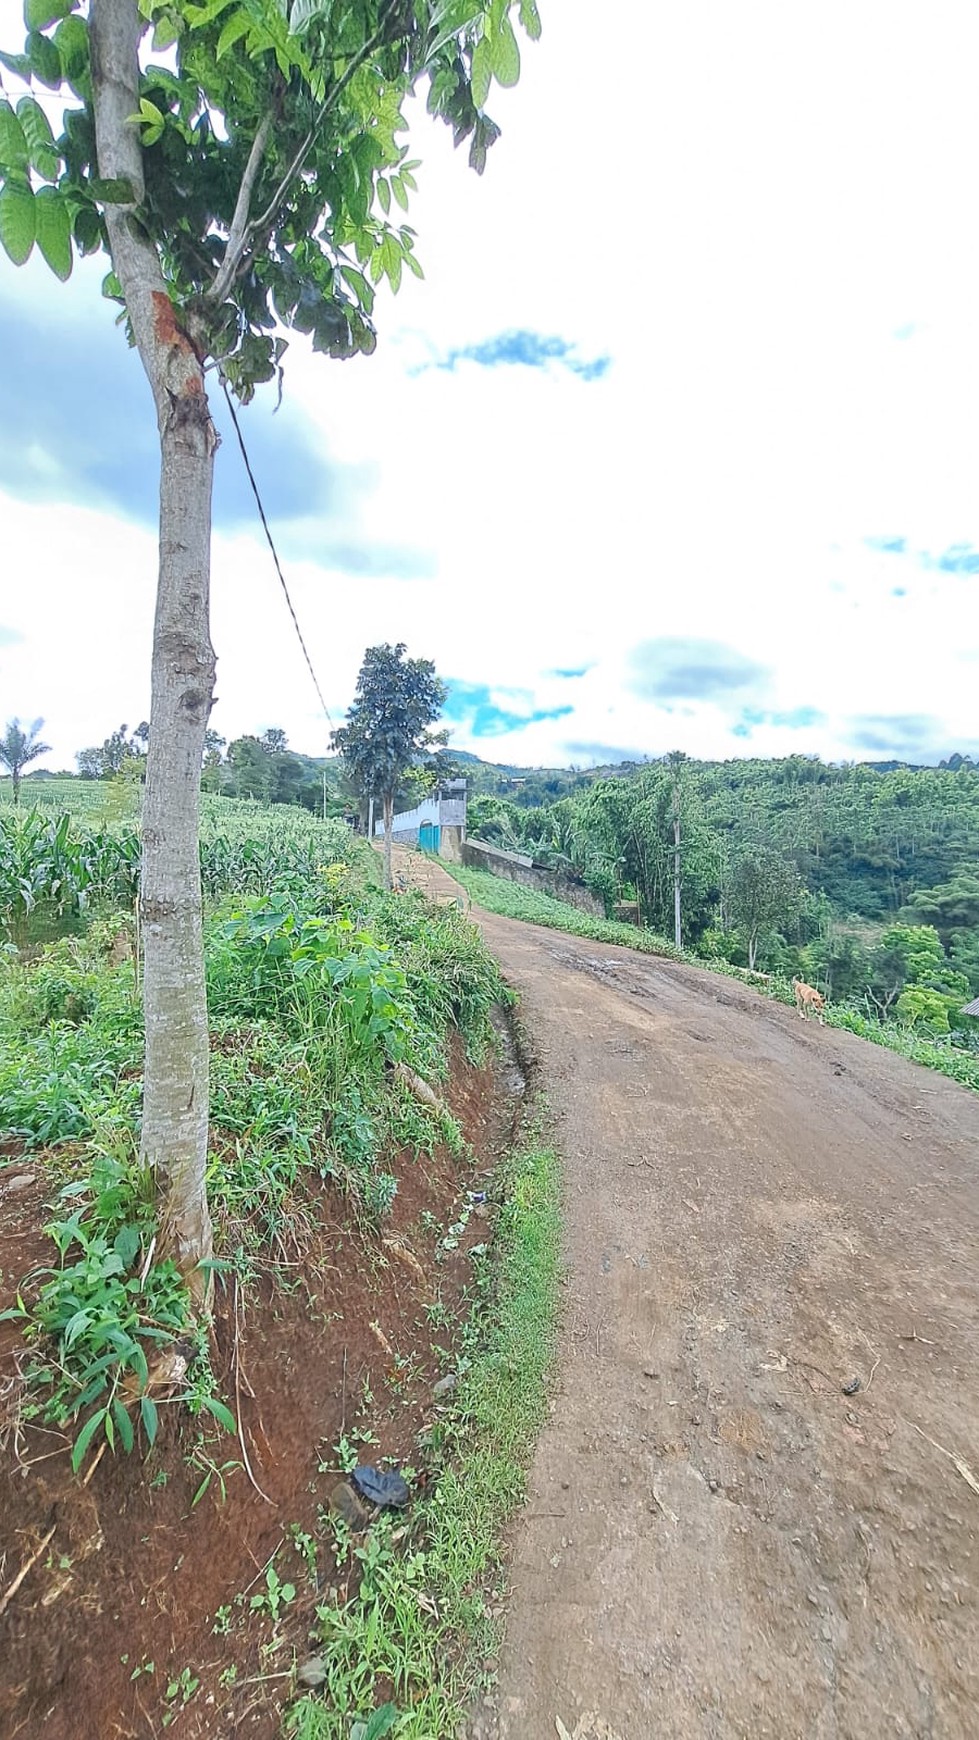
(888, 546)
(957, 559)
(526, 350)
(567, 675)
(471, 704)
(85, 432)
(791, 719)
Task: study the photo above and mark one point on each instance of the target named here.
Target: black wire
(275, 554)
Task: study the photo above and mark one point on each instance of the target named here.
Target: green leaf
(110, 1430)
(85, 1437)
(124, 1424)
(87, 230)
(18, 64)
(40, 139)
(14, 151)
(45, 60)
(53, 221)
(359, 285)
(71, 41)
(377, 1725)
(150, 1417)
(414, 265)
(397, 188)
(482, 72)
(530, 19)
(223, 1415)
(384, 194)
(38, 14)
(17, 223)
(234, 27)
(149, 114)
(111, 191)
(505, 55)
(166, 33)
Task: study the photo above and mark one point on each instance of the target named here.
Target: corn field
(56, 868)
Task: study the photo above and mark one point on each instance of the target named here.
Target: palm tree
(18, 748)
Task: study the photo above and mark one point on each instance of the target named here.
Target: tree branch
(235, 255)
(239, 223)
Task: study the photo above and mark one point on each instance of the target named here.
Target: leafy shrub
(101, 1311)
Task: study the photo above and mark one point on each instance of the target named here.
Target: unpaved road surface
(718, 1543)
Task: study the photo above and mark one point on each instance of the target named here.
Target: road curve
(718, 1542)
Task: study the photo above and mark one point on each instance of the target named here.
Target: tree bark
(175, 1082)
(388, 825)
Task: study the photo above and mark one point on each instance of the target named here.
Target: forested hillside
(865, 877)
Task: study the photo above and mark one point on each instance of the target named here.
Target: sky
(675, 447)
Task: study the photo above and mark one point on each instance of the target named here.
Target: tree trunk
(388, 824)
(175, 1082)
(752, 951)
(15, 782)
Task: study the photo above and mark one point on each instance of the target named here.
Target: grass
(315, 989)
(511, 900)
(420, 1623)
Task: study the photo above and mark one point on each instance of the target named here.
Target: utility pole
(370, 818)
(675, 764)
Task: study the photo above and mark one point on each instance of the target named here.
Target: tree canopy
(18, 748)
(388, 728)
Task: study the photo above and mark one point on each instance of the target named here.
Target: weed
(179, 1693)
(274, 1596)
(412, 1599)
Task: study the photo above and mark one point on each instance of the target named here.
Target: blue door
(428, 836)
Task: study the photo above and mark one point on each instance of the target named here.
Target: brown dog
(806, 997)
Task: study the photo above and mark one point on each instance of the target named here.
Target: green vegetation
(511, 900)
(918, 1037)
(317, 984)
(419, 1621)
(791, 866)
(388, 728)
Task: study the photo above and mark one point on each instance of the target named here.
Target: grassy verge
(512, 901)
(420, 1623)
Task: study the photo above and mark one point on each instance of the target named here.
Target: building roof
(972, 1008)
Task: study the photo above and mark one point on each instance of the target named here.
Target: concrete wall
(452, 842)
(517, 868)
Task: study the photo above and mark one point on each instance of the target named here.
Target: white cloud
(743, 208)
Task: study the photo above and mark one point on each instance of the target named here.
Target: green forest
(863, 879)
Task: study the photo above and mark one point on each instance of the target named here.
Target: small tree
(763, 894)
(18, 748)
(388, 727)
(242, 187)
(112, 756)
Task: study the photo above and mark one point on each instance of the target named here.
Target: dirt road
(719, 1543)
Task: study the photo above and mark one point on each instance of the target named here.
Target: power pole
(675, 762)
(370, 818)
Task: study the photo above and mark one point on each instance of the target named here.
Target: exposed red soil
(133, 1573)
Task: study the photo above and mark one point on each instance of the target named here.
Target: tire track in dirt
(717, 1541)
